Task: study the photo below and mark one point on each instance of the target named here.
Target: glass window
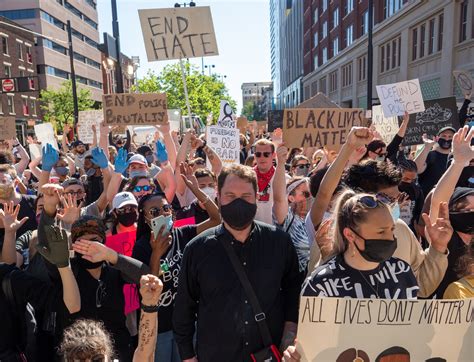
(20, 50)
(316, 15)
(90, 22)
(335, 46)
(325, 29)
(325, 55)
(349, 35)
(79, 57)
(335, 18)
(347, 75)
(422, 40)
(11, 104)
(316, 40)
(362, 65)
(8, 71)
(33, 106)
(72, 9)
(414, 48)
(316, 62)
(333, 82)
(382, 59)
(394, 53)
(81, 79)
(365, 22)
(325, 5)
(349, 6)
(91, 3)
(463, 22)
(431, 37)
(57, 72)
(5, 45)
(24, 103)
(18, 14)
(52, 20)
(29, 55)
(95, 84)
(55, 46)
(440, 32)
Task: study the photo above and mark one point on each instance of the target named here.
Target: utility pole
(73, 75)
(370, 55)
(116, 34)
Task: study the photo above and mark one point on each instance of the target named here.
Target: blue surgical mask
(138, 173)
(395, 210)
(380, 158)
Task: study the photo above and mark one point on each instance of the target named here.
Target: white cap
(137, 158)
(122, 199)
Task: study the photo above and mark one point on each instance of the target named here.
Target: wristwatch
(149, 308)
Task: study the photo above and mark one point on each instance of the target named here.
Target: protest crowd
(186, 246)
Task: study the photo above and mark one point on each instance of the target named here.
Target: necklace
(370, 285)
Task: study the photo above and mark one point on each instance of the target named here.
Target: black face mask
(445, 144)
(127, 219)
(462, 221)
(238, 214)
(408, 188)
(377, 250)
(86, 264)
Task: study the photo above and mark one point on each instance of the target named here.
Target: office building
(49, 18)
(18, 76)
(254, 92)
(411, 39)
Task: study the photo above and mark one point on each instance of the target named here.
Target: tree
(58, 105)
(253, 111)
(205, 92)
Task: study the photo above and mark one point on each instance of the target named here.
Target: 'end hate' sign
(176, 33)
(399, 97)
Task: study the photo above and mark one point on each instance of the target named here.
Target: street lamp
(191, 4)
(210, 66)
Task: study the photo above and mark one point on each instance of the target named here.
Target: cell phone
(158, 222)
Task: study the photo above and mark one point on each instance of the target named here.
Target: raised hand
(71, 211)
(440, 232)
(52, 194)
(359, 136)
(50, 157)
(99, 158)
(324, 238)
(188, 177)
(121, 162)
(56, 249)
(282, 154)
(428, 142)
(196, 142)
(9, 217)
(161, 153)
(164, 128)
(463, 152)
(150, 289)
(161, 243)
(93, 250)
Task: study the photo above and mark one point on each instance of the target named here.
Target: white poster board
(226, 115)
(87, 119)
(396, 98)
(35, 150)
(142, 134)
(387, 127)
(225, 142)
(176, 33)
(45, 134)
(174, 119)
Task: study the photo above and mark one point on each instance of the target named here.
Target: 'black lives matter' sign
(177, 33)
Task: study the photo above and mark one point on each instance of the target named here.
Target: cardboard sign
(176, 33)
(438, 113)
(35, 150)
(242, 123)
(275, 120)
(87, 119)
(385, 330)
(45, 134)
(387, 127)
(225, 142)
(464, 80)
(226, 116)
(399, 97)
(135, 108)
(320, 100)
(7, 128)
(319, 127)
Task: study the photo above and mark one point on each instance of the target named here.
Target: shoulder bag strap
(259, 315)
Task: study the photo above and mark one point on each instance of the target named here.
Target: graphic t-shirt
(392, 279)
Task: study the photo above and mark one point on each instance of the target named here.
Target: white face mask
(210, 192)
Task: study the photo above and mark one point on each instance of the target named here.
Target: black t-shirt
(171, 260)
(392, 279)
(411, 212)
(193, 210)
(27, 209)
(436, 165)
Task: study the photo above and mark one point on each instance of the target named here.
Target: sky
(242, 31)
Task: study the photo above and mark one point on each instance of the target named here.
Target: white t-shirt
(265, 208)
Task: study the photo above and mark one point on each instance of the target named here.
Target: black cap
(78, 143)
(459, 193)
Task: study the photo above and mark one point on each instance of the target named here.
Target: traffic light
(25, 84)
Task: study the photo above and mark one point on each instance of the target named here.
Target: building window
(362, 66)
(422, 40)
(5, 45)
(18, 14)
(325, 29)
(316, 15)
(431, 37)
(390, 55)
(349, 35)
(440, 32)
(52, 20)
(72, 9)
(333, 82)
(463, 22)
(316, 40)
(316, 62)
(322, 85)
(365, 23)
(391, 7)
(29, 55)
(325, 55)
(414, 48)
(55, 46)
(8, 70)
(348, 6)
(90, 22)
(57, 72)
(26, 110)
(22, 73)
(20, 50)
(347, 75)
(11, 103)
(335, 18)
(325, 5)
(95, 84)
(91, 3)
(335, 46)
(81, 79)
(33, 106)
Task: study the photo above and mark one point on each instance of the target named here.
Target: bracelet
(149, 308)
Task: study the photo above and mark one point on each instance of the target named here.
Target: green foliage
(253, 111)
(205, 92)
(58, 105)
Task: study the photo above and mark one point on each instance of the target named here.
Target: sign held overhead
(176, 33)
(399, 97)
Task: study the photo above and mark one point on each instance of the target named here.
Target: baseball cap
(137, 158)
(78, 143)
(459, 193)
(72, 181)
(448, 128)
(123, 199)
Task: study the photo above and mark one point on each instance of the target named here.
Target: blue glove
(99, 158)
(50, 157)
(161, 153)
(121, 162)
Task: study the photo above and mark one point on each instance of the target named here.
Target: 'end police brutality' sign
(176, 33)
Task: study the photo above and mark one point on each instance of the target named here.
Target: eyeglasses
(126, 209)
(264, 154)
(72, 193)
(155, 211)
(143, 188)
(100, 294)
(306, 165)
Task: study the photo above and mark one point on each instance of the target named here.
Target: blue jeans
(166, 348)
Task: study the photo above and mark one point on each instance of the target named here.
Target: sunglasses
(126, 209)
(306, 165)
(155, 211)
(370, 202)
(143, 188)
(386, 199)
(264, 154)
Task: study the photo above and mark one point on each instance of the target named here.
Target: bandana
(87, 225)
(263, 181)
